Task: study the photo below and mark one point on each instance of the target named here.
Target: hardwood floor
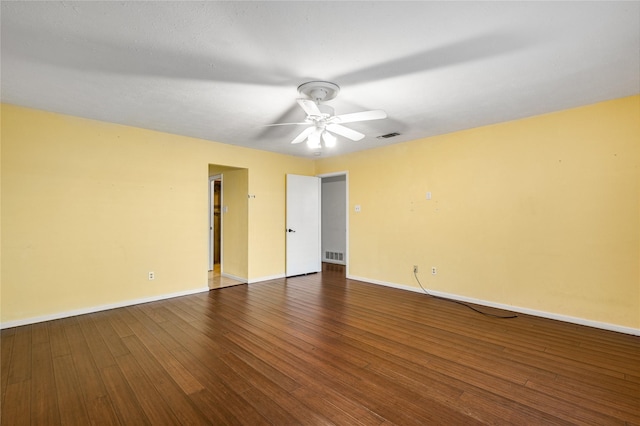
(315, 349)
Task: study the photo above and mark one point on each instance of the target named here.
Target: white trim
(527, 311)
(75, 312)
(267, 278)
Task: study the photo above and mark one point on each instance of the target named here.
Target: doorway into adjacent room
(334, 219)
(215, 225)
(227, 241)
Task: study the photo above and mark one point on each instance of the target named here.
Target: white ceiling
(221, 71)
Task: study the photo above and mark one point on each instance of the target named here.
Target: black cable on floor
(415, 274)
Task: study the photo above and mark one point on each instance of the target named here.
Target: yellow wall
(541, 213)
(89, 208)
(235, 223)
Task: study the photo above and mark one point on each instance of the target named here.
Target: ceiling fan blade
(360, 116)
(345, 131)
(309, 107)
(304, 134)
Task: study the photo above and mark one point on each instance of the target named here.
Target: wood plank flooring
(317, 349)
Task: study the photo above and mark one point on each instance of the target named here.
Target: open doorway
(228, 234)
(215, 225)
(334, 219)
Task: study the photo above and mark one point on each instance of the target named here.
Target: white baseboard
(266, 278)
(527, 311)
(75, 312)
(233, 277)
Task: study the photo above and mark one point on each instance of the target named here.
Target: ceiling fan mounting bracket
(319, 91)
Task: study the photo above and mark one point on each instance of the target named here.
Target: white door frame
(346, 204)
(212, 180)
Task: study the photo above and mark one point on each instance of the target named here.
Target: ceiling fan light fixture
(329, 139)
(314, 139)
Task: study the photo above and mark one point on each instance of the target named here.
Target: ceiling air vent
(388, 135)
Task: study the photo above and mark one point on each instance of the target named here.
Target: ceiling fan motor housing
(319, 91)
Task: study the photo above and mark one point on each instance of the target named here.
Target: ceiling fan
(322, 121)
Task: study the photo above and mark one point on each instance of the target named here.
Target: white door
(303, 225)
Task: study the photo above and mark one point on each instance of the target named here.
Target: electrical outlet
(152, 276)
(415, 269)
(433, 270)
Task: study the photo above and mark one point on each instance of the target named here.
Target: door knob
(290, 230)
